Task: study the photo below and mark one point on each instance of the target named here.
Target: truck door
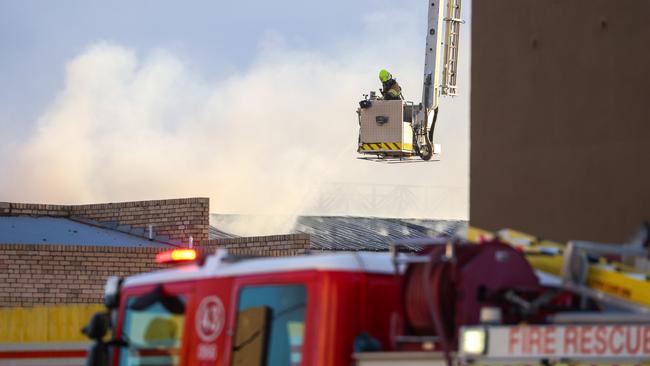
(270, 322)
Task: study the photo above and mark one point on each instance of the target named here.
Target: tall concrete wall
(560, 117)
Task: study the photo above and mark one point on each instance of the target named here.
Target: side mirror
(112, 292)
(97, 355)
(98, 326)
(171, 303)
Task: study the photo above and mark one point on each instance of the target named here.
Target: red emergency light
(176, 255)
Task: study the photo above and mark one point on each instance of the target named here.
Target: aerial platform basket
(385, 129)
(401, 131)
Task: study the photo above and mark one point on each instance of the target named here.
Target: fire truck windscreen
(153, 334)
(270, 325)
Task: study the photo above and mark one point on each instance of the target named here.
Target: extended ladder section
(452, 30)
(586, 268)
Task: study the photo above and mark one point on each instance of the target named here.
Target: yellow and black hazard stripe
(385, 146)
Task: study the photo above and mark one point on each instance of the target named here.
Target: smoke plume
(270, 140)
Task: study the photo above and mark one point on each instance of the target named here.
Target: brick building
(62, 254)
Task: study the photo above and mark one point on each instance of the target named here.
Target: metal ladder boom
(440, 70)
(433, 45)
(452, 30)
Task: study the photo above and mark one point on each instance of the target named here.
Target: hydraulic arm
(432, 88)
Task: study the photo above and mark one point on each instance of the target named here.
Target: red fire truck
(450, 302)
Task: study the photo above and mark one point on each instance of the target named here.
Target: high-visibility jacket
(391, 90)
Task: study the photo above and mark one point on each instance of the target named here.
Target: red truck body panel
(340, 305)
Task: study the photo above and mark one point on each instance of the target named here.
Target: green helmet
(384, 76)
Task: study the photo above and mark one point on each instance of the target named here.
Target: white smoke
(131, 127)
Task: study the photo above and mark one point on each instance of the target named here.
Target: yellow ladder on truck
(582, 266)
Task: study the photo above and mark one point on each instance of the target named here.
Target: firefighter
(390, 88)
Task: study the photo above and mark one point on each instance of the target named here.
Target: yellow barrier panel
(61, 323)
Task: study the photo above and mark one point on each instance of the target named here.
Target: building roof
(66, 231)
(355, 233)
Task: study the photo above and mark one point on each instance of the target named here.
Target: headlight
(112, 291)
(474, 341)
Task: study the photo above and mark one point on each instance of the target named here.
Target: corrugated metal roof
(215, 233)
(370, 233)
(356, 233)
(64, 231)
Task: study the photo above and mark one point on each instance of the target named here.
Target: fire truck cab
(448, 303)
(263, 311)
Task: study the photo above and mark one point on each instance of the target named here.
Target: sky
(251, 103)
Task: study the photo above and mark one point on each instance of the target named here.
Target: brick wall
(53, 274)
(271, 246)
(33, 209)
(175, 218)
